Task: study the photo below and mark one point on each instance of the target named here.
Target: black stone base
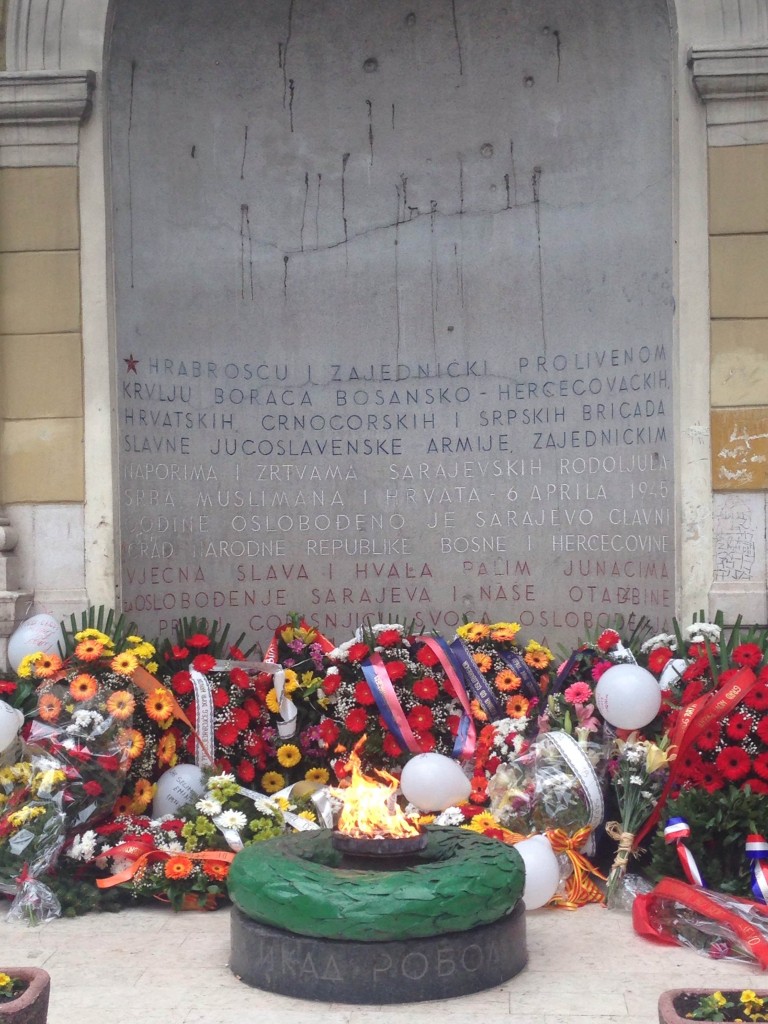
(370, 973)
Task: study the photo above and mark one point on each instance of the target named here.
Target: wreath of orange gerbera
(83, 686)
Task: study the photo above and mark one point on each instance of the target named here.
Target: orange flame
(370, 806)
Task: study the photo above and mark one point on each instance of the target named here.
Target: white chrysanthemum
(231, 819)
(208, 806)
(659, 640)
(83, 847)
(450, 816)
(699, 632)
(220, 780)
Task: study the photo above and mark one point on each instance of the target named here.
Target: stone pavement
(151, 966)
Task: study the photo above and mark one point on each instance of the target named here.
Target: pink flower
(578, 693)
(586, 717)
(599, 667)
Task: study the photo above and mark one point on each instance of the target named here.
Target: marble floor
(151, 966)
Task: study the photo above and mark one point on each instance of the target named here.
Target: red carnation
(174, 825)
(426, 656)
(331, 683)
(109, 762)
(203, 663)
(389, 638)
(240, 678)
(253, 707)
(420, 717)
(245, 771)
(198, 641)
(358, 652)
(658, 658)
(734, 763)
(227, 734)
(181, 682)
(220, 697)
(607, 640)
(425, 689)
(93, 788)
(240, 718)
(391, 747)
(396, 670)
(363, 694)
(254, 745)
(356, 720)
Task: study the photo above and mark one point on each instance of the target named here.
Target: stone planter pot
(31, 1007)
(672, 1008)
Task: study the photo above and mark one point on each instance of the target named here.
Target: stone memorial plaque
(394, 313)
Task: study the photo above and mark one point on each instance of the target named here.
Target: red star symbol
(132, 364)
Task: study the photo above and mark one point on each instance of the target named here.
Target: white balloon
(542, 871)
(38, 633)
(433, 782)
(177, 786)
(672, 672)
(628, 696)
(11, 721)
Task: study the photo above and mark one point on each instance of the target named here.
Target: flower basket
(677, 1004)
(31, 1006)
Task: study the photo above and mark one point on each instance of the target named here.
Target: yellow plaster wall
(41, 386)
(738, 224)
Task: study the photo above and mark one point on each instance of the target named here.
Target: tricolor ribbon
(466, 738)
(757, 852)
(377, 677)
(675, 831)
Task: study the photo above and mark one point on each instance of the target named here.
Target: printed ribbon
(147, 682)
(466, 738)
(476, 681)
(141, 855)
(580, 889)
(757, 852)
(521, 668)
(377, 677)
(692, 721)
(675, 831)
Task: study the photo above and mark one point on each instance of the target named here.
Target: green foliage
(107, 621)
(720, 656)
(719, 823)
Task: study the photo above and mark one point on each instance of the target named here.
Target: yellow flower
(272, 781)
(658, 757)
(537, 656)
(47, 665)
(46, 781)
(291, 682)
(288, 755)
(321, 775)
(143, 650)
(120, 704)
(273, 704)
(152, 668)
(480, 822)
(125, 663)
(27, 664)
(504, 631)
(89, 650)
(473, 631)
(308, 815)
(94, 634)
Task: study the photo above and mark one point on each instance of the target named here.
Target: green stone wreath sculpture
(295, 882)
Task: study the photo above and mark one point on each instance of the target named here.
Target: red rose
(389, 638)
(220, 697)
(358, 652)
(109, 763)
(363, 694)
(203, 663)
(178, 653)
(245, 771)
(391, 747)
(240, 678)
(240, 718)
(198, 641)
(396, 670)
(734, 764)
(227, 734)
(356, 720)
(181, 682)
(331, 683)
(426, 656)
(425, 689)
